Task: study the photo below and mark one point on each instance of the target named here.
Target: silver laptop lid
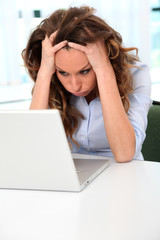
(34, 152)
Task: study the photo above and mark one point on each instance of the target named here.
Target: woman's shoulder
(139, 67)
(141, 78)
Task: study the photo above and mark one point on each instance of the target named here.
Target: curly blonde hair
(81, 26)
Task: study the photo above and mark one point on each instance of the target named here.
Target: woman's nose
(76, 84)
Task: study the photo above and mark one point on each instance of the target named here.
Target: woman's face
(75, 72)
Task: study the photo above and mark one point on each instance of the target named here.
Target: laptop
(35, 154)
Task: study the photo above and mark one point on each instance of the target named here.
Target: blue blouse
(91, 134)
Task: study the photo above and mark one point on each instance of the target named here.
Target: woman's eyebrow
(79, 70)
(85, 66)
(59, 68)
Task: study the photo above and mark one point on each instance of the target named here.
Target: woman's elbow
(124, 157)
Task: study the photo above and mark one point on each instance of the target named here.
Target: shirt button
(84, 136)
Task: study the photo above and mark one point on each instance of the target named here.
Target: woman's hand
(47, 68)
(48, 53)
(96, 53)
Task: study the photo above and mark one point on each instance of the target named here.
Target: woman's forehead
(70, 60)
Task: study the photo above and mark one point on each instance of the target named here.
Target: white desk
(123, 203)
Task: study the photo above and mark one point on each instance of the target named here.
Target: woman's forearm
(120, 133)
(41, 91)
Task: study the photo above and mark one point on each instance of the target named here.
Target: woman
(80, 67)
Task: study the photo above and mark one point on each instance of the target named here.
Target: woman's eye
(84, 72)
(63, 73)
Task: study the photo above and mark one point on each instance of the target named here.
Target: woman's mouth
(80, 94)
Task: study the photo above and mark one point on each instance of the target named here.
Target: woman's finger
(45, 39)
(77, 46)
(60, 45)
(52, 36)
(49, 40)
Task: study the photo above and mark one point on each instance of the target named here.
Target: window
(23, 15)
(27, 21)
(155, 48)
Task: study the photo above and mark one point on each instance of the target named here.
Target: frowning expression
(75, 72)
